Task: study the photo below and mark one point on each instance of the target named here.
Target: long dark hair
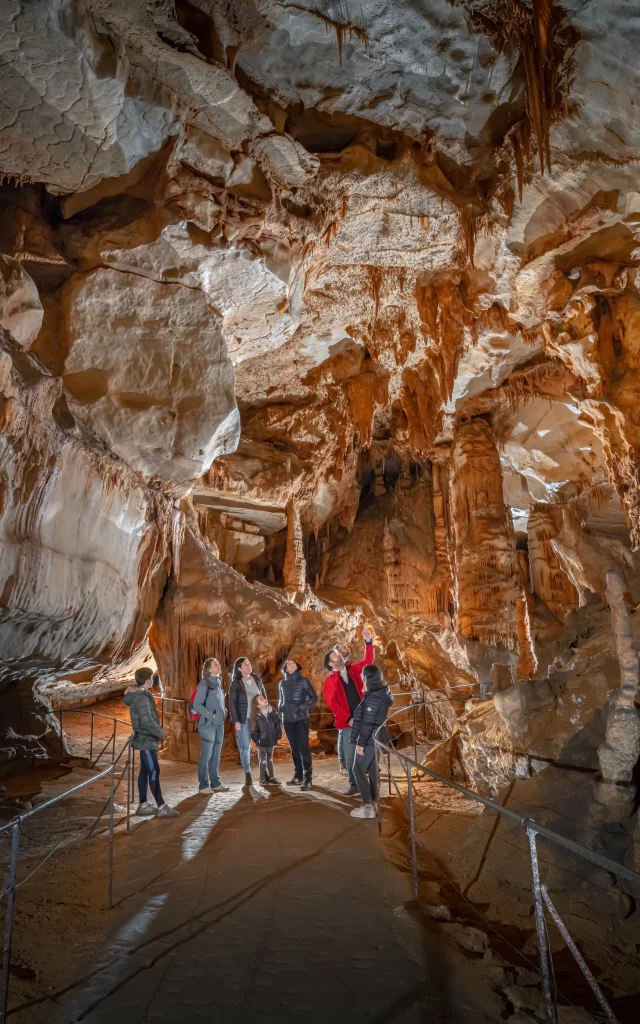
(373, 678)
(236, 674)
(253, 716)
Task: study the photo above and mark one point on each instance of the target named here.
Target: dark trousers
(298, 735)
(365, 769)
(149, 777)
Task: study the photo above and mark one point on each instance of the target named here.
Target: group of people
(355, 693)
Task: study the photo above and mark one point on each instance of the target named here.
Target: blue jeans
(211, 737)
(243, 739)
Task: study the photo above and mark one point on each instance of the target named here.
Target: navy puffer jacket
(238, 697)
(296, 696)
(371, 713)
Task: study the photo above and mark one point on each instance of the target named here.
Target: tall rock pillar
(491, 603)
(295, 566)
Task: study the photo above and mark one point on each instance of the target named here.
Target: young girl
(367, 718)
(266, 730)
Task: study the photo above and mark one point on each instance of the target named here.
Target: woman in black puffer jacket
(296, 697)
(370, 714)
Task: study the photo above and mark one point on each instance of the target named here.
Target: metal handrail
(15, 827)
(121, 721)
(532, 829)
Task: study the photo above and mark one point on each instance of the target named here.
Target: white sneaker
(220, 789)
(206, 789)
(366, 811)
(145, 811)
(167, 812)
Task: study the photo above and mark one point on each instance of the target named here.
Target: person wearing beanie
(146, 734)
(370, 714)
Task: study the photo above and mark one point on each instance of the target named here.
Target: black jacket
(369, 714)
(238, 698)
(268, 730)
(296, 697)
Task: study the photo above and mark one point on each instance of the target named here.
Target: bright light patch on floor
(196, 835)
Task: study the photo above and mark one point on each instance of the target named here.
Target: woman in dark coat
(245, 686)
(295, 699)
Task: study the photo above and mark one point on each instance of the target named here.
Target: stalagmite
(295, 566)
(619, 753)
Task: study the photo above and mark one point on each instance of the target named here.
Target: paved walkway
(262, 906)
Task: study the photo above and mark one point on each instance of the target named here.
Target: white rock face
(72, 110)
(401, 67)
(20, 307)
(148, 371)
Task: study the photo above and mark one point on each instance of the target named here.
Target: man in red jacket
(343, 690)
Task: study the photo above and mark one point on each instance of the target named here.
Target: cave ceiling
(342, 258)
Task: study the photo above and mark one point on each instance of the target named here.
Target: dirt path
(272, 906)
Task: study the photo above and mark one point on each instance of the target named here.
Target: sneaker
(305, 785)
(272, 781)
(295, 781)
(206, 789)
(219, 788)
(146, 811)
(167, 812)
(352, 791)
(366, 811)
(248, 781)
(264, 781)
(343, 768)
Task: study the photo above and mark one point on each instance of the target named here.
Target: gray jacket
(144, 719)
(209, 703)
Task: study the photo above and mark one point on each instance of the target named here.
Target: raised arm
(369, 651)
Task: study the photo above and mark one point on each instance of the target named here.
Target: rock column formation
(295, 566)
(491, 602)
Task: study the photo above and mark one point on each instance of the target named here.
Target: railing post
(113, 749)
(426, 722)
(128, 771)
(186, 722)
(389, 771)
(111, 812)
(10, 891)
(415, 734)
(93, 718)
(549, 1014)
(379, 789)
(60, 720)
(412, 828)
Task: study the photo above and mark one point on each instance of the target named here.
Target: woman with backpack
(266, 732)
(208, 703)
(296, 697)
(367, 718)
(245, 685)
(147, 731)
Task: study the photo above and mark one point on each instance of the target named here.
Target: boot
(248, 781)
(295, 781)
(307, 782)
(264, 781)
(271, 779)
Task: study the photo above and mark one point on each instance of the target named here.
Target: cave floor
(254, 904)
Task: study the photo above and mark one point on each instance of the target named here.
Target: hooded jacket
(268, 729)
(296, 696)
(371, 713)
(209, 703)
(238, 698)
(333, 690)
(144, 719)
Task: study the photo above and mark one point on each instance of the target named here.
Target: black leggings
(298, 736)
(149, 777)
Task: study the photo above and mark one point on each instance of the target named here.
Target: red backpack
(193, 714)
